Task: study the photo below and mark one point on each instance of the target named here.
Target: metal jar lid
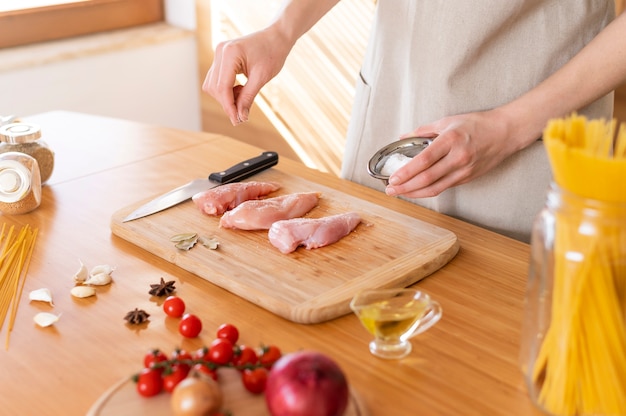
(15, 181)
(20, 132)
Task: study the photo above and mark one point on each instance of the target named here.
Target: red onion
(306, 383)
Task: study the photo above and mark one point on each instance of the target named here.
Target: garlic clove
(99, 279)
(44, 319)
(102, 268)
(82, 291)
(43, 295)
(82, 274)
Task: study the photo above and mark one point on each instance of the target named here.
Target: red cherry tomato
(220, 351)
(269, 355)
(171, 378)
(205, 369)
(182, 357)
(154, 357)
(228, 331)
(190, 326)
(149, 382)
(254, 380)
(174, 306)
(201, 354)
(244, 356)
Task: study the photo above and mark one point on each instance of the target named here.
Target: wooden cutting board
(122, 399)
(387, 249)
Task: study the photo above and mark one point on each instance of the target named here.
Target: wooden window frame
(40, 24)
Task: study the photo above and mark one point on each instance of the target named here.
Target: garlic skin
(82, 291)
(102, 268)
(99, 279)
(82, 274)
(42, 295)
(44, 319)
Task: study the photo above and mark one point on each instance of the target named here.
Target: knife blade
(235, 173)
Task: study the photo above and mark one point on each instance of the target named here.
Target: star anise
(163, 288)
(137, 316)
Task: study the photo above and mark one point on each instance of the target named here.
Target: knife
(235, 173)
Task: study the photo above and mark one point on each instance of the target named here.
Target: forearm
(296, 17)
(596, 70)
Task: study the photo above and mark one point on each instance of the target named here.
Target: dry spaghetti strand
(15, 257)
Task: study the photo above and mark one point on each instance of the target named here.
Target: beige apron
(427, 59)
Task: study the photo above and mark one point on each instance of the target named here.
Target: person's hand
(465, 147)
(259, 56)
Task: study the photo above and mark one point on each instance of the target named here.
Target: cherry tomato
(221, 351)
(175, 375)
(269, 355)
(190, 326)
(254, 380)
(244, 356)
(149, 382)
(201, 354)
(174, 306)
(182, 357)
(228, 331)
(154, 357)
(205, 369)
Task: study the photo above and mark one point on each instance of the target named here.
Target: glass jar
(20, 183)
(25, 138)
(574, 333)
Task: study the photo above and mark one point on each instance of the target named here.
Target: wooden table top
(467, 364)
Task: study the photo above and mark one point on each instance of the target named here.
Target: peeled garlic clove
(102, 268)
(82, 291)
(42, 295)
(99, 279)
(44, 319)
(82, 274)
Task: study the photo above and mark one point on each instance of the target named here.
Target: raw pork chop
(262, 213)
(312, 232)
(218, 200)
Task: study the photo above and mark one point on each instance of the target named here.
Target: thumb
(427, 131)
(245, 98)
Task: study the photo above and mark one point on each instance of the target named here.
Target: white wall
(154, 80)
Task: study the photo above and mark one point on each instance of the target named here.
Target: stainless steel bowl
(409, 147)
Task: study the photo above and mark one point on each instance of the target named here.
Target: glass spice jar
(20, 183)
(25, 138)
(574, 333)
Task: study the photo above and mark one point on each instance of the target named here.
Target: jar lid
(14, 181)
(19, 132)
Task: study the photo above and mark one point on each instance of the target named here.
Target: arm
(259, 56)
(469, 145)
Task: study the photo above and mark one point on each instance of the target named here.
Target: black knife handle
(245, 169)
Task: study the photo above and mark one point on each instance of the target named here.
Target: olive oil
(393, 316)
(389, 321)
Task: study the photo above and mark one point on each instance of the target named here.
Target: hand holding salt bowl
(395, 155)
(574, 336)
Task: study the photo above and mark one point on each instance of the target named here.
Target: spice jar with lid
(25, 138)
(20, 183)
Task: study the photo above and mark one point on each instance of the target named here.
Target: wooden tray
(307, 286)
(122, 399)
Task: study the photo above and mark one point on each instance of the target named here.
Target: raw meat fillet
(287, 235)
(262, 213)
(218, 200)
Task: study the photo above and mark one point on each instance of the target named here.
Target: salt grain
(393, 163)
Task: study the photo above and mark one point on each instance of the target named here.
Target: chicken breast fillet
(261, 214)
(220, 199)
(311, 233)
